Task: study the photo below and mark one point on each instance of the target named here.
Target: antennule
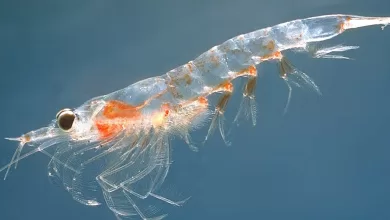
(23, 139)
(14, 139)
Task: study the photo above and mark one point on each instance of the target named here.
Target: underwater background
(327, 158)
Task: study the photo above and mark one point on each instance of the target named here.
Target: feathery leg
(227, 90)
(294, 77)
(248, 103)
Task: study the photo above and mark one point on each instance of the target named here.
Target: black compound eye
(65, 119)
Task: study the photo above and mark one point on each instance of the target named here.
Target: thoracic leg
(175, 203)
(294, 77)
(227, 90)
(248, 103)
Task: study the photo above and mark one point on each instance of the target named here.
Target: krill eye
(65, 119)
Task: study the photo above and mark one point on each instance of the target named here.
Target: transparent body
(118, 144)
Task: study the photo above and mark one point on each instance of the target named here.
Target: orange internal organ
(119, 109)
(116, 114)
(107, 130)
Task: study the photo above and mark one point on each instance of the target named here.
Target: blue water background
(327, 158)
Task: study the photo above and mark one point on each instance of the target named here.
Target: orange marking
(118, 109)
(166, 108)
(27, 138)
(342, 25)
(227, 86)
(203, 100)
(251, 70)
(278, 54)
(273, 56)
